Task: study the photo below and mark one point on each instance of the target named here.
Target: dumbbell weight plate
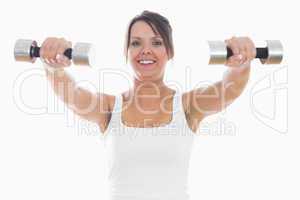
(22, 50)
(275, 52)
(83, 54)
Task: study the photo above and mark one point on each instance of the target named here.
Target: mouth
(146, 63)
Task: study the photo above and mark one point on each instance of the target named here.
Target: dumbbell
(28, 50)
(271, 54)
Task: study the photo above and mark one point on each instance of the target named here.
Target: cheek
(133, 53)
(162, 53)
(162, 56)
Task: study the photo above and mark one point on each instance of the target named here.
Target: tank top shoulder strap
(179, 113)
(118, 105)
(115, 112)
(177, 105)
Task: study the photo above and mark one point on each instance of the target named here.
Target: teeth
(146, 61)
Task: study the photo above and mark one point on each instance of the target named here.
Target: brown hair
(156, 22)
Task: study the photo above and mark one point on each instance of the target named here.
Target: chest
(146, 116)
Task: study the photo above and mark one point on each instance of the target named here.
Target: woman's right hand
(52, 52)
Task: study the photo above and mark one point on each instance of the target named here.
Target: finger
(247, 53)
(242, 55)
(61, 59)
(64, 45)
(67, 63)
(233, 45)
(233, 61)
(45, 48)
(49, 49)
(52, 61)
(47, 61)
(60, 53)
(54, 49)
(246, 63)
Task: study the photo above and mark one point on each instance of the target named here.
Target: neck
(145, 89)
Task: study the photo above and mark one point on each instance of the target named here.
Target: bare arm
(90, 106)
(208, 100)
(214, 98)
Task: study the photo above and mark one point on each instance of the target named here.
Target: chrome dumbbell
(271, 54)
(27, 51)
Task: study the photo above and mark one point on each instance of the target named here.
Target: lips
(146, 63)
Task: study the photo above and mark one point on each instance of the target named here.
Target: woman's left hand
(243, 50)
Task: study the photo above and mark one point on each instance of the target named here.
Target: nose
(146, 50)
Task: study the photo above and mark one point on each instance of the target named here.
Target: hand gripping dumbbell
(272, 54)
(28, 51)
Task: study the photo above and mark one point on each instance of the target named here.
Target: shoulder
(111, 99)
(185, 101)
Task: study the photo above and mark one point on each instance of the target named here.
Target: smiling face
(147, 52)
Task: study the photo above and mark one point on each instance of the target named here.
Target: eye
(157, 43)
(134, 43)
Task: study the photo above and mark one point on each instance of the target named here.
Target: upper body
(144, 43)
(195, 102)
(149, 103)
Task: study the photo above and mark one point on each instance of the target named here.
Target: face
(147, 53)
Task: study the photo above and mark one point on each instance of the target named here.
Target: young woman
(155, 165)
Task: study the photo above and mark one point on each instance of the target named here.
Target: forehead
(142, 29)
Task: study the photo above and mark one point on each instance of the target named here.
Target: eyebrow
(135, 37)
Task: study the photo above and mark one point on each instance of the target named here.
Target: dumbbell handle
(261, 53)
(35, 52)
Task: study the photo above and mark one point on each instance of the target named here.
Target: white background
(55, 155)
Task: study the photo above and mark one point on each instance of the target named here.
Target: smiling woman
(149, 45)
(149, 167)
(153, 165)
(158, 24)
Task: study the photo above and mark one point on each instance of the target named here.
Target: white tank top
(148, 163)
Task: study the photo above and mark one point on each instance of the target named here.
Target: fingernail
(61, 58)
(58, 56)
(240, 56)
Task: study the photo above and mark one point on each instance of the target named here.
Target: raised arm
(214, 98)
(91, 106)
